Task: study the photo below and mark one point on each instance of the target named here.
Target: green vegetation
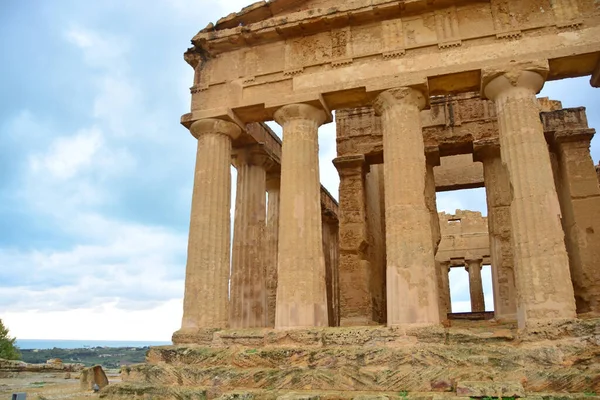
(108, 357)
(8, 349)
(403, 394)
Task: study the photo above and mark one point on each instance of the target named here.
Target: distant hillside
(108, 357)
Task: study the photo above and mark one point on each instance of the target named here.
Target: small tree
(8, 349)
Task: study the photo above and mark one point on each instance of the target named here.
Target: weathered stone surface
(579, 197)
(301, 287)
(538, 238)
(412, 295)
(490, 389)
(464, 237)
(297, 396)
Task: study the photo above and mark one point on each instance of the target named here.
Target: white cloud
(100, 50)
(68, 156)
(105, 322)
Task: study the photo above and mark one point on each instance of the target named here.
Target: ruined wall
(579, 196)
(464, 236)
(458, 172)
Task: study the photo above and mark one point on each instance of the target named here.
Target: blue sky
(96, 172)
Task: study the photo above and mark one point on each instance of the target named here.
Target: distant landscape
(109, 354)
(108, 357)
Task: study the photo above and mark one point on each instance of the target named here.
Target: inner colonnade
(402, 108)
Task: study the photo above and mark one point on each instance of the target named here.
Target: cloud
(135, 267)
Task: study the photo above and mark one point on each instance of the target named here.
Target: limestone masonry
(352, 301)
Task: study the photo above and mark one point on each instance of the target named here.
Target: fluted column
(205, 304)
(412, 293)
(301, 291)
(444, 288)
(473, 267)
(541, 263)
(498, 196)
(248, 295)
(272, 239)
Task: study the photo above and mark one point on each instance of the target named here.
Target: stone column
(412, 293)
(205, 303)
(579, 197)
(272, 239)
(498, 196)
(598, 172)
(301, 291)
(541, 264)
(330, 252)
(444, 289)
(473, 267)
(433, 159)
(248, 296)
(356, 306)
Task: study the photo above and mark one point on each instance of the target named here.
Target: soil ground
(49, 386)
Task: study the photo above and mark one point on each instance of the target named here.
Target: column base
(194, 336)
(357, 321)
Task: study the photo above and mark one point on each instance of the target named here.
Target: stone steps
(140, 391)
(440, 355)
(408, 378)
(342, 363)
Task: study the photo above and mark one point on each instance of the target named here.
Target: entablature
(443, 46)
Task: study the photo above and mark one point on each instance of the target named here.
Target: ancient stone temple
(308, 298)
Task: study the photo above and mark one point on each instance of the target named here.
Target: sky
(96, 172)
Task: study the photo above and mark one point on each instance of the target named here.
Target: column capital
(350, 165)
(447, 265)
(273, 181)
(474, 263)
(579, 136)
(299, 111)
(527, 75)
(215, 126)
(251, 155)
(405, 94)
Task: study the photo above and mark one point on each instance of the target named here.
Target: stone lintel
(432, 155)
(486, 148)
(263, 23)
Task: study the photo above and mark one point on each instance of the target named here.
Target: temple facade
(427, 96)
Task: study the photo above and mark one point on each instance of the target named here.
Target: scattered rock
(91, 376)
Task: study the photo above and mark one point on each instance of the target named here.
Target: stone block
(91, 376)
(298, 396)
(490, 389)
